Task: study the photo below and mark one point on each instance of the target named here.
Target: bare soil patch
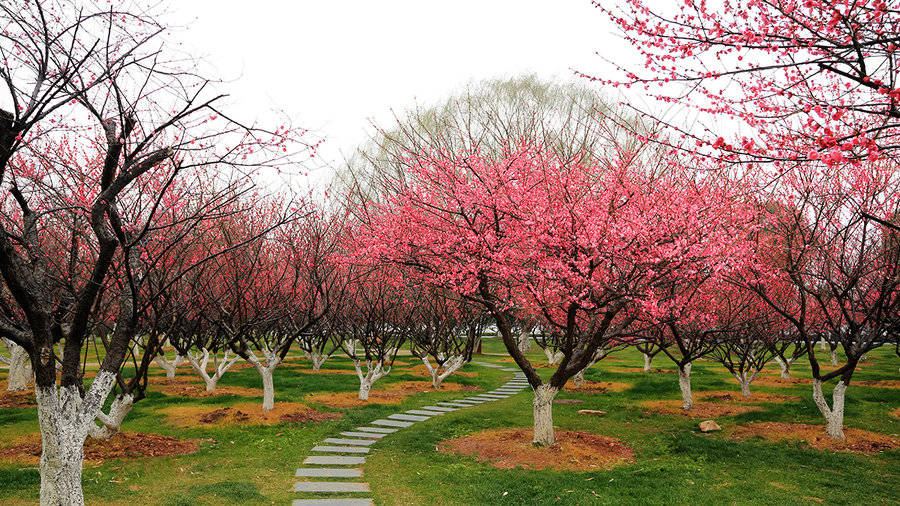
(778, 381)
(895, 413)
(127, 445)
(247, 414)
(512, 448)
(641, 370)
(421, 370)
(755, 397)
(892, 384)
(857, 440)
(392, 393)
(17, 399)
(189, 387)
(567, 401)
(700, 410)
(596, 387)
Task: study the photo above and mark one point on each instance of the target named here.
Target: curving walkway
(335, 465)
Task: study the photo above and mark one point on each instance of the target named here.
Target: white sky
(336, 65)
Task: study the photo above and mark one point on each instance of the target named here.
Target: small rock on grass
(595, 412)
(709, 426)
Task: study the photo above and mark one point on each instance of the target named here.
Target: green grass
(673, 463)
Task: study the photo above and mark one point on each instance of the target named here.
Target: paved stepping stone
(328, 472)
(340, 449)
(334, 460)
(333, 502)
(510, 390)
(424, 412)
(439, 408)
(359, 442)
(392, 423)
(454, 404)
(330, 486)
(409, 418)
(474, 400)
(509, 370)
(485, 364)
(375, 435)
(383, 430)
(484, 397)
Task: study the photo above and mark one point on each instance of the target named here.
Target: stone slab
(455, 404)
(408, 418)
(439, 408)
(333, 502)
(382, 430)
(351, 433)
(424, 412)
(340, 449)
(330, 486)
(342, 441)
(334, 460)
(327, 472)
(392, 423)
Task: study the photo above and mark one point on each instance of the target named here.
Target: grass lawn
(673, 462)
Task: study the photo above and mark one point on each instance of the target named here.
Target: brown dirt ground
(895, 413)
(755, 397)
(421, 370)
(641, 370)
(568, 401)
(893, 384)
(17, 399)
(857, 440)
(700, 410)
(776, 381)
(246, 414)
(128, 445)
(596, 387)
(191, 387)
(511, 448)
(392, 393)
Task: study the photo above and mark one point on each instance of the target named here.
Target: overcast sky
(335, 65)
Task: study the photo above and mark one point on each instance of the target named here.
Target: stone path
(346, 450)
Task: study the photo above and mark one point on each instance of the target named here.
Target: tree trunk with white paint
(578, 379)
(648, 362)
(439, 374)
(524, 340)
(317, 359)
(111, 424)
(744, 379)
(543, 415)
(785, 367)
(20, 375)
(823, 344)
(684, 381)
(199, 363)
(170, 366)
(553, 357)
(834, 359)
(374, 371)
(266, 371)
(834, 415)
(65, 420)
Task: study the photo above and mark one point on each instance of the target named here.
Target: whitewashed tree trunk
(785, 367)
(553, 357)
(439, 374)
(525, 339)
(744, 379)
(65, 420)
(834, 359)
(543, 415)
(834, 415)
(374, 371)
(578, 379)
(170, 366)
(111, 423)
(199, 363)
(823, 344)
(684, 381)
(266, 371)
(317, 359)
(648, 362)
(20, 375)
